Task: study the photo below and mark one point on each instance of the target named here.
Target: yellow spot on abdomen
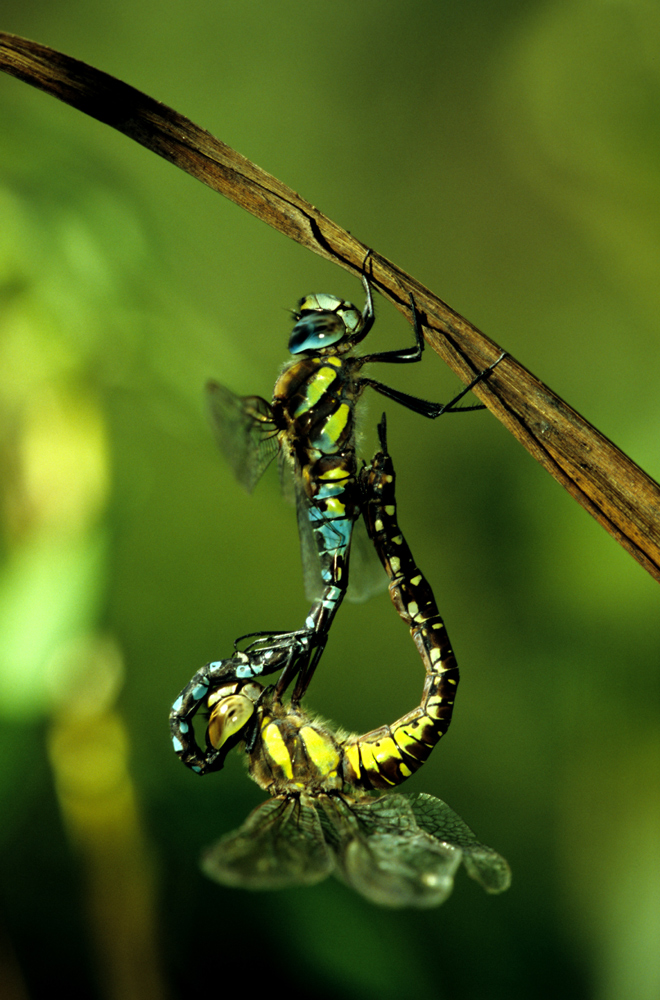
(375, 754)
(337, 473)
(352, 755)
(334, 506)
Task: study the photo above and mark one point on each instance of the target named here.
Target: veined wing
(383, 854)
(280, 844)
(482, 863)
(245, 431)
(367, 576)
(309, 553)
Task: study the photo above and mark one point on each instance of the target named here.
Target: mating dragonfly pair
(396, 850)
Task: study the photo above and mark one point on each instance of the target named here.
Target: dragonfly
(325, 815)
(310, 425)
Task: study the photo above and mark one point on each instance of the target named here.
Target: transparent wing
(366, 574)
(245, 432)
(309, 552)
(384, 855)
(288, 477)
(280, 844)
(482, 863)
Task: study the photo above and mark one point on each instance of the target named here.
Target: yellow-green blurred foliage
(507, 154)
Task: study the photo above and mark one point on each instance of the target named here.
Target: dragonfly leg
(425, 407)
(404, 355)
(305, 674)
(302, 648)
(242, 667)
(408, 355)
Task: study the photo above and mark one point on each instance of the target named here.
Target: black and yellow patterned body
(322, 817)
(389, 755)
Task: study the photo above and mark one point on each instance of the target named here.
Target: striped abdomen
(389, 755)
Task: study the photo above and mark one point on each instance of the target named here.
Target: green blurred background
(506, 153)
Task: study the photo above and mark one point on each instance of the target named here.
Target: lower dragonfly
(396, 850)
(310, 424)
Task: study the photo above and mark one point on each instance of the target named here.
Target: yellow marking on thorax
(277, 749)
(337, 422)
(317, 386)
(321, 751)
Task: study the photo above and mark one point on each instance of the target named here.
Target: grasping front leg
(223, 679)
(387, 756)
(413, 354)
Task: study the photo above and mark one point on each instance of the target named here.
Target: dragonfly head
(232, 707)
(324, 321)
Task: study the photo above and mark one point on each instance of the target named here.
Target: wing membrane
(245, 432)
(280, 844)
(383, 854)
(482, 863)
(367, 576)
(309, 553)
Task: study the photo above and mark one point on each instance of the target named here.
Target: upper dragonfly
(310, 424)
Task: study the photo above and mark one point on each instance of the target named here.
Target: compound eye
(316, 330)
(227, 718)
